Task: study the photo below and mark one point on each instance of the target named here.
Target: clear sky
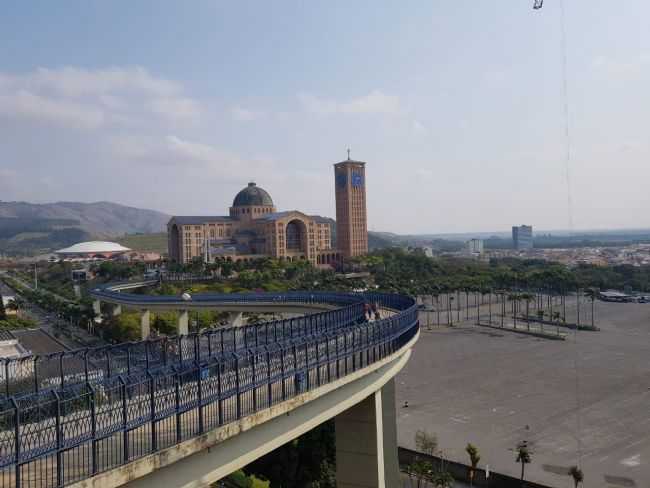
(456, 106)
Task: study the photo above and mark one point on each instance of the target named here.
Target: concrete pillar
(97, 308)
(183, 322)
(366, 443)
(235, 319)
(145, 324)
(117, 310)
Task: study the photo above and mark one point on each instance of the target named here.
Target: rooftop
(252, 195)
(199, 219)
(281, 215)
(92, 247)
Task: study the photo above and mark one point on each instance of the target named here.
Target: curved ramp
(100, 417)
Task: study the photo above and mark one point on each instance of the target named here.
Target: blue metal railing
(32, 373)
(113, 405)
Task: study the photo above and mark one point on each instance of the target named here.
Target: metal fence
(32, 373)
(142, 397)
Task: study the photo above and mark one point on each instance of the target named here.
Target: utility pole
(35, 277)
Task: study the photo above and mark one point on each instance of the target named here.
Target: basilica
(255, 229)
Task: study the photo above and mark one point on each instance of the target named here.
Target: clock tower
(351, 218)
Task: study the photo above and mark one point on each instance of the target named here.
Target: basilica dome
(252, 195)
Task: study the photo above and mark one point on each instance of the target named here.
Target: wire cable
(567, 141)
(567, 128)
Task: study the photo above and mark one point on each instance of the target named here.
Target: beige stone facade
(253, 229)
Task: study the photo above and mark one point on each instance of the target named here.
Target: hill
(381, 240)
(101, 219)
(145, 242)
(28, 228)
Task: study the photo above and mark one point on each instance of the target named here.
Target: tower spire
(348, 154)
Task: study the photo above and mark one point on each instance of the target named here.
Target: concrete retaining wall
(460, 471)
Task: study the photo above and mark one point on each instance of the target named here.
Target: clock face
(341, 180)
(357, 179)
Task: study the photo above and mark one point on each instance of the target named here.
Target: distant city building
(474, 246)
(351, 218)
(522, 237)
(428, 251)
(91, 250)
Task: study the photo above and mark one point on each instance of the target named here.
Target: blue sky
(456, 106)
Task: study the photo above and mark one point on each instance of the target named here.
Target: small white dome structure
(92, 249)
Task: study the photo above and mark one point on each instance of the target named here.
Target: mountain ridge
(31, 228)
(100, 219)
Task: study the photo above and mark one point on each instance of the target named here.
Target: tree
(426, 443)
(578, 476)
(307, 461)
(16, 304)
(419, 471)
(474, 458)
(442, 479)
(523, 457)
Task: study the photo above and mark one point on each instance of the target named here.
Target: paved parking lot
(588, 394)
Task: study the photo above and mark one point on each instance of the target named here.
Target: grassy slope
(145, 242)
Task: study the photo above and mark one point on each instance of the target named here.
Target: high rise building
(522, 237)
(474, 246)
(351, 217)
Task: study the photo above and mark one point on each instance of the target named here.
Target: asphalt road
(72, 337)
(589, 394)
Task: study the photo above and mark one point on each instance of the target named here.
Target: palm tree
(591, 293)
(578, 476)
(474, 458)
(490, 305)
(503, 307)
(514, 300)
(450, 315)
(528, 297)
(523, 457)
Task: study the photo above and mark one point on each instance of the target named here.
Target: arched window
(295, 235)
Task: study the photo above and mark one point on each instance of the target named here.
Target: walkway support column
(183, 322)
(145, 324)
(366, 442)
(97, 308)
(117, 310)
